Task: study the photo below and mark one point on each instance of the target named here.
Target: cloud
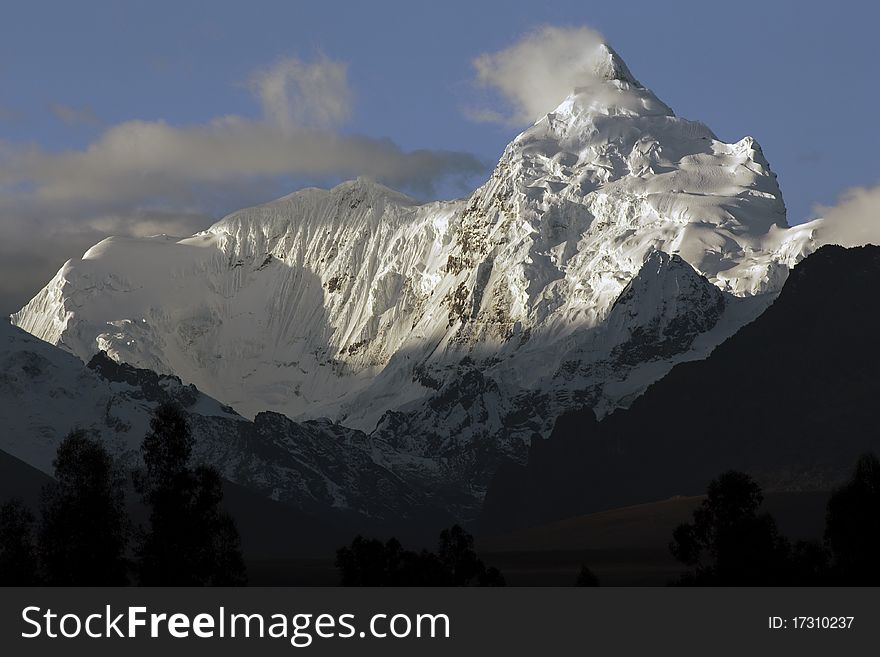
(295, 94)
(139, 164)
(535, 74)
(74, 116)
(152, 162)
(148, 177)
(854, 221)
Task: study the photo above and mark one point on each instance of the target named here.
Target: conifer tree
(84, 530)
(190, 540)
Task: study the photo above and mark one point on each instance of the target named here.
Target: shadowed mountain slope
(791, 399)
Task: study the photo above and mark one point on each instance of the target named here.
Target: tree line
(85, 537)
(370, 562)
(730, 542)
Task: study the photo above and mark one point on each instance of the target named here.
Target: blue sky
(801, 77)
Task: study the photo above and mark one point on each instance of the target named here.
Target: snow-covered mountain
(612, 240)
(317, 466)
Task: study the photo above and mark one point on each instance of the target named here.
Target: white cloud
(297, 94)
(152, 162)
(854, 221)
(536, 73)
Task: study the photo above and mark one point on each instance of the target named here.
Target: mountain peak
(368, 187)
(610, 66)
(608, 87)
(662, 310)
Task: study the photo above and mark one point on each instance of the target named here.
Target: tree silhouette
(460, 561)
(366, 562)
(168, 446)
(852, 526)
(369, 562)
(190, 540)
(18, 557)
(84, 531)
(456, 553)
(809, 565)
(728, 542)
(420, 569)
(586, 577)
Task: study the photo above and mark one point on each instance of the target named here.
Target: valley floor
(623, 547)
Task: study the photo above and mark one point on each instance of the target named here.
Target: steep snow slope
(273, 307)
(461, 327)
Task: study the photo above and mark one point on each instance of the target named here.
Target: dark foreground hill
(19, 480)
(270, 530)
(792, 399)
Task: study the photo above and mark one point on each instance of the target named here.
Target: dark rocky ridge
(159, 388)
(791, 398)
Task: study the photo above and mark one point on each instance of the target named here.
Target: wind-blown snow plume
(537, 72)
(854, 221)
